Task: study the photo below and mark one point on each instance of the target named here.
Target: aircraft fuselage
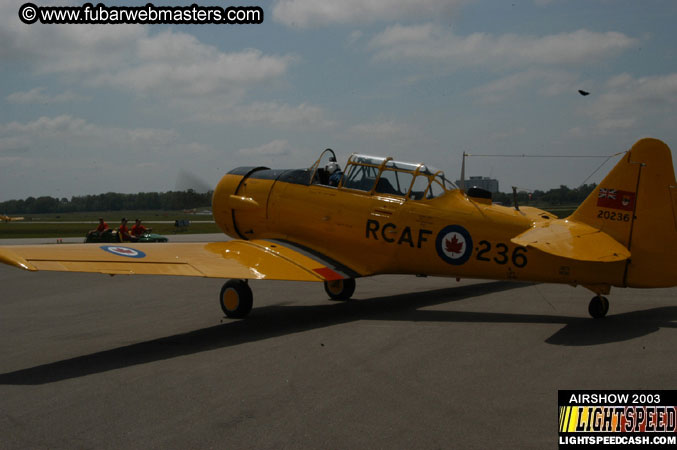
(451, 235)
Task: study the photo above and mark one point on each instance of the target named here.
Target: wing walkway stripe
(334, 265)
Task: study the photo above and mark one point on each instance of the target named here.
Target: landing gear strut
(598, 307)
(236, 299)
(340, 289)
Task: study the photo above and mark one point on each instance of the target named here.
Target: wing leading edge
(257, 259)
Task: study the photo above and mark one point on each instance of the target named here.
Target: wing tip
(10, 258)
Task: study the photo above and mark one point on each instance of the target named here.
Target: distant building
(486, 183)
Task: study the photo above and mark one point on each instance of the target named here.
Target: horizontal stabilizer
(573, 240)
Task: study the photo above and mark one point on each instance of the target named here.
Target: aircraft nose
(240, 199)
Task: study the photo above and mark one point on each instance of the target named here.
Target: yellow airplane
(9, 219)
(390, 217)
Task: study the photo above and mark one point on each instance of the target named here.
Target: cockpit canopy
(387, 176)
(374, 174)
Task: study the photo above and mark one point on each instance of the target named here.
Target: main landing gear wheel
(340, 289)
(236, 299)
(598, 307)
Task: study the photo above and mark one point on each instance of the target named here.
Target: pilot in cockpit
(334, 171)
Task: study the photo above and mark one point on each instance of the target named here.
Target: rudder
(635, 204)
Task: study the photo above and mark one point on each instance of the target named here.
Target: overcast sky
(126, 108)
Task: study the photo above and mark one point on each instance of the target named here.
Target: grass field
(58, 225)
(560, 211)
(112, 217)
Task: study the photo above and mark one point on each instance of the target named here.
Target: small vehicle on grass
(109, 235)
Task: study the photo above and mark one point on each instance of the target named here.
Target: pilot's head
(331, 167)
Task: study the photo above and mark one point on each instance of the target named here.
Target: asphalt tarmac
(93, 361)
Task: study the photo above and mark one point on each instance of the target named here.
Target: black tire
(236, 299)
(598, 307)
(340, 289)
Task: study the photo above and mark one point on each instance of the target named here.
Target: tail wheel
(598, 307)
(340, 289)
(236, 299)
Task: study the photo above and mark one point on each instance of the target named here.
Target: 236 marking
(518, 257)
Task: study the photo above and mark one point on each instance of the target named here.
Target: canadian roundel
(123, 251)
(454, 244)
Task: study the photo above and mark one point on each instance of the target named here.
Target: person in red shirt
(123, 232)
(139, 230)
(99, 229)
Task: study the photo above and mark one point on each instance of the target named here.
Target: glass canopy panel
(435, 189)
(401, 165)
(419, 187)
(360, 177)
(366, 159)
(448, 185)
(394, 182)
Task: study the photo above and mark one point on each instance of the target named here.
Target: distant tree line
(111, 201)
(554, 197)
(175, 200)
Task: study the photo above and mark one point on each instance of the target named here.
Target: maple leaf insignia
(453, 245)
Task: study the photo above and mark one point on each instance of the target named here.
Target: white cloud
(430, 42)
(269, 113)
(502, 136)
(313, 13)
(65, 48)
(198, 149)
(609, 125)
(13, 144)
(284, 115)
(39, 96)
(146, 165)
(6, 161)
(48, 126)
(627, 101)
(354, 36)
(77, 132)
(134, 58)
(576, 132)
(70, 155)
(545, 82)
(274, 148)
(619, 81)
(379, 130)
(178, 63)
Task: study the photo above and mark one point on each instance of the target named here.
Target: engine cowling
(240, 201)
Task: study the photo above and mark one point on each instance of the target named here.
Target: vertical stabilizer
(635, 204)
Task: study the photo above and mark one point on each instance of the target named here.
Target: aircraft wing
(256, 259)
(573, 240)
